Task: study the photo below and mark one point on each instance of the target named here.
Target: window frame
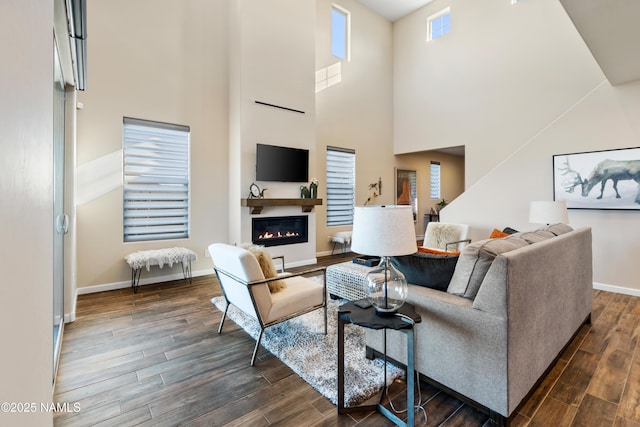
(347, 31)
(342, 185)
(156, 173)
(438, 15)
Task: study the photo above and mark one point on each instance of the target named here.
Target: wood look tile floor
(154, 359)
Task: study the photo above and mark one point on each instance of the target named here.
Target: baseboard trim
(143, 281)
(302, 263)
(338, 251)
(159, 279)
(616, 289)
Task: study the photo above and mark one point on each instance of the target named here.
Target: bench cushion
(159, 257)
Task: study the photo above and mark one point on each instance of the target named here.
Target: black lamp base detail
(386, 313)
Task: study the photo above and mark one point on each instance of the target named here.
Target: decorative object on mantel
(310, 192)
(313, 189)
(255, 192)
(256, 205)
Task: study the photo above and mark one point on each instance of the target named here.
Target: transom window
(341, 185)
(438, 24)
(156, 180)
(340, 32)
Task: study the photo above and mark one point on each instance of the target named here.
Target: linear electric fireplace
(279, 230)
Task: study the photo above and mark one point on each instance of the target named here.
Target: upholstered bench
(342, 237)
(159, 257)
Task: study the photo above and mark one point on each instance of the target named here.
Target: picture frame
(607, 179)
(406, 189)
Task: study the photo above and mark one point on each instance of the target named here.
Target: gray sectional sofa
(512, 306)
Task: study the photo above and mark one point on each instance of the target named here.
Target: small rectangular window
(156, 180)
(341, 185)
(434, 180)
(438, 24)
(340, 32)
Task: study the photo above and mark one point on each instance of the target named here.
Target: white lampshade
(383, 231)
(547, 212)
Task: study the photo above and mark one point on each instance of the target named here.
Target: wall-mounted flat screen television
(286, 164)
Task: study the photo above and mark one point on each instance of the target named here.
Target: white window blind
(434, 185)
(341, 184)
(156, 180)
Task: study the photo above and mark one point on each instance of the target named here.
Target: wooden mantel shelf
(256, 205)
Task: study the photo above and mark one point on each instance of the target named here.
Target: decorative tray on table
(368, 260)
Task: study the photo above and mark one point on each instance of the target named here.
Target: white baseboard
(616, 289)
(159, 279)
(143, 281)
(338, 251)
(300, 263)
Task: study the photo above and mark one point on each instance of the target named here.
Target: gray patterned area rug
(300, 344)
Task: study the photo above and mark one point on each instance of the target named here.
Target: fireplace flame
(270, 235)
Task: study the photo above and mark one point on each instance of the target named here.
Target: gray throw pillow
(428, 270)
(558, 228)
(536, 236)
(475, 260)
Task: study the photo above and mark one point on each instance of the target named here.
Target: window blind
(434, 185)
(156, 180)
(341, 178)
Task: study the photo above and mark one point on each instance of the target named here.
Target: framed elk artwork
(598, 179)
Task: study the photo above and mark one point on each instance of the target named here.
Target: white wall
(516, 85)
(356, 113)
(172, 68)
(26, 171)
(502, 74)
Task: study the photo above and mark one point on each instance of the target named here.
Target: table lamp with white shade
(548, 212)
(384, 231)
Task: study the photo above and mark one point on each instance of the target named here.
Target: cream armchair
(244, 285)
(446, 236)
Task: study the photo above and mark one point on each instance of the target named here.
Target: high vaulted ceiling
(611, 30)
(394, 9)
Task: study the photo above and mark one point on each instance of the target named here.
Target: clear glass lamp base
(386, 288)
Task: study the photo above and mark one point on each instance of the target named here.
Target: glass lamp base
(386, 288)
